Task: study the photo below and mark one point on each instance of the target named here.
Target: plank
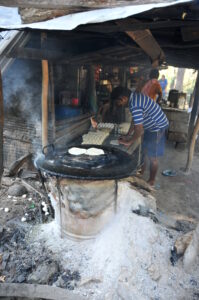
(147, 42)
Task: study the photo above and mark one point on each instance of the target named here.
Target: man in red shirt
(153, 88)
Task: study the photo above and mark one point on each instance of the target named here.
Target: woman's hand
(93, 123)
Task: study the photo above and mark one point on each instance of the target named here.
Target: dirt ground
(178, 194)
(29, 254)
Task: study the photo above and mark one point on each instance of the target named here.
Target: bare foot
(151, 182)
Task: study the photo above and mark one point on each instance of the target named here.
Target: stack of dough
(124, 128)
(95, 138)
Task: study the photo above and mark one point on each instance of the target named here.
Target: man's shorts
(154, 143)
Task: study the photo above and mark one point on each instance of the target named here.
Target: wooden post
(192, 146)
(52, 93)
(92, 88)
(1, 127)
(194, 111)
(45, 80)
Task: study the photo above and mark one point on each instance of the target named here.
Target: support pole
(92, 88)
(1, 127)
(45, 80)
(52, 102)
(192, 147)
(194, 111)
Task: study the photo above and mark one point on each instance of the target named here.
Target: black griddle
(113, 164)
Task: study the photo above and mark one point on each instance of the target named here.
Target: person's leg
(153, 170)
(143, 166)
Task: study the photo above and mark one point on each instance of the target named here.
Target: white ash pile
(130, 259)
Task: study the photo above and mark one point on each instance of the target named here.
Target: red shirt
(152, 88)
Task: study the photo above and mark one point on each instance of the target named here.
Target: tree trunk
(192, 146)
(180, 79)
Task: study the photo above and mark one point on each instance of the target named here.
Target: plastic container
(64, 112)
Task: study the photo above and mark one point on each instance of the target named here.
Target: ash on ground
(130, 259)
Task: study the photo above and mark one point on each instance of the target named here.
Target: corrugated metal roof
(10, 19)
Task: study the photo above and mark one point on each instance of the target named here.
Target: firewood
(36, 291)
(14, 168)
(139, 182)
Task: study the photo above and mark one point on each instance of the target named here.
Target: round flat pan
(113, 164)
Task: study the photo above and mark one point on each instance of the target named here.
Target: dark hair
(115, 111)
(154, 74)
(119, 92)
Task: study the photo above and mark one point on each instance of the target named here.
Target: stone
(43, 273)
(1, 230)
(154, 272)
(17, 190)
(21, 278)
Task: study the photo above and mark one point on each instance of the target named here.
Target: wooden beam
(37, 54)
(1, 127)
(190, 33)
(110, 27)
(147, 42)
(43, 54)
(63, 4)
(45, 80)
(52, 100)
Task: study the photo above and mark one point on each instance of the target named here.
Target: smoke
(22, 100)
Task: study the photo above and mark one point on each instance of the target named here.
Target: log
(192, 147)
(31, 15)
(63, 4)
(138, 182)
(1, 127)
(36, 291)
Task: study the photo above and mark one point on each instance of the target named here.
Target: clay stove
(83, 188)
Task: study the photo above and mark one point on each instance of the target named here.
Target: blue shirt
(147, 112)
(163, 83)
